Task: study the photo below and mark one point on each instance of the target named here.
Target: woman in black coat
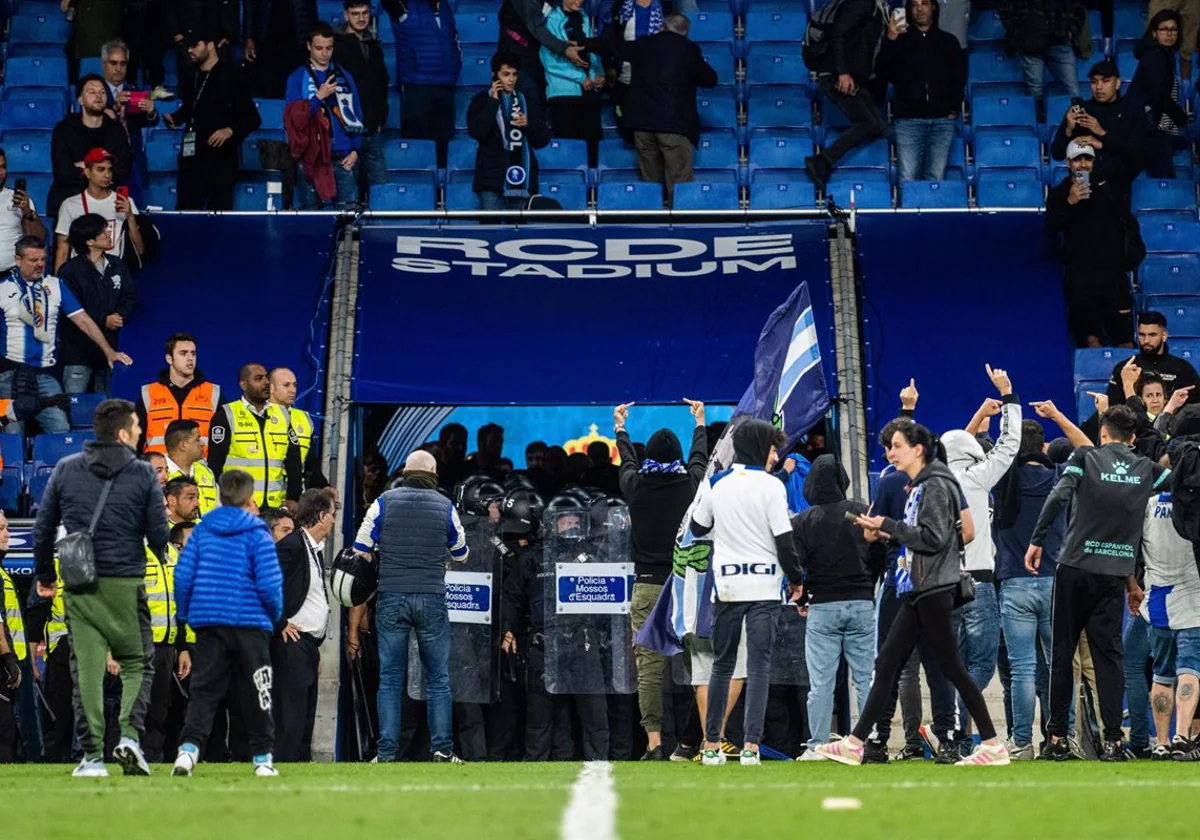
(1155, 87)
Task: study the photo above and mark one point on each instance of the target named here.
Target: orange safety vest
(161, 409)
(4, 404)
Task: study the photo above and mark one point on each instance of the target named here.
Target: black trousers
(294, 696)
(145, 30)
(206, 182)
(1099, 304)
(548, 730)
(927, 620)
(506, 717)
(427, 113)
(860, 109)
(154, 737)
(239, 657)
(470, 729)
(1086, 601)
(58, 732)
(8, 725)
(786, 724)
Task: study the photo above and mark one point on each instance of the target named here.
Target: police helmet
(518, 481)
(477, 493)
(354, 578)
(522, 512)
(567, 516)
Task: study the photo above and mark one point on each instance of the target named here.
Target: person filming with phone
(1093, 222)
(18, 216)
(101, 198)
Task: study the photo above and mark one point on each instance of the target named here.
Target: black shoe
(952, 752)
(1161, 752)
(1113, 751)
(875, 753)
(911, 752)
(655, 754)
(818, 168)
(1184, 750)
(446, 758)
(683, 753)
(1139, 753)
(1058, 750)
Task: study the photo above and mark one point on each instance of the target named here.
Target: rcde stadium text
(580, 259)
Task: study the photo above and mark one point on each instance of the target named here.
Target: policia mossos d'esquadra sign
(588, 579)
(471, 589)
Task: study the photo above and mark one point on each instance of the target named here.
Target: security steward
(172, 648)
(181, 393)
(283, 394)
(13, 651)
(185, 459)
(58, 726)
(253, 434)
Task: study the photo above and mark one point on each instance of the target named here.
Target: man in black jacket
(1155, 357)
(216, 115)
(839, 572)
(77, 134)
(659, 492)
(1043, 33)
(661, 109)
(295, 648)
(1110, 125)
(108, 293)
(1091, 217)
(1095, 569)
(113, 615)
(357, 51)
(928, 71)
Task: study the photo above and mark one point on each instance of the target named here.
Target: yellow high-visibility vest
(56, 625)
(205, 481)
(160, 592)
(260, 450)
(13, 618)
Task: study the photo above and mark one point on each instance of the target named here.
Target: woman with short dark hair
(1155, 86)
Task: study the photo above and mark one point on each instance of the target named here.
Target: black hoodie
(927, 70)
(838, 563)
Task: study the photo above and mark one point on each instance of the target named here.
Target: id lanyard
(188, 149)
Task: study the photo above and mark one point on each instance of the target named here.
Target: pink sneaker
(842, 752)
(986, 755)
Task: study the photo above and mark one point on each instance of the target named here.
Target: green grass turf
(480, 802)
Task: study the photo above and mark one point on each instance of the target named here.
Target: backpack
(815, 46)
(1185, 489)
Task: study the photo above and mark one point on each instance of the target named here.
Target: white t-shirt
(747, 509)
(10, 228)
(1172, 582)
(74, 207)
(313, 616)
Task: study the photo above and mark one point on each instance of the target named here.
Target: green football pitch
(604, 802)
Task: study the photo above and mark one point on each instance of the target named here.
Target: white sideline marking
(592, 809)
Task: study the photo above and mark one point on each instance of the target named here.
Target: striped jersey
(29, 328)
(1172, 581)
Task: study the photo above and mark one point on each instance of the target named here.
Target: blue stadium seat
(459, 193)
(251, 156)
(11, 484)
(873, 155)
(250, 195)
(710, 26)
(27, 151)
(705, 194)
(37, 486)
(477, 66)
(1008, 188)
(83, 409)
(93, 65)
(1182, 311)
(996, 110)
(1170, 274)
(1095, 364)
(634, 196)
(956, 165)
(779, 190)
(37, 184)
(1001, 148)
(270, 112)
(35, 71)
(460, 155)
(779, 149)
(1163, 194)
(716, 150)
(44, 25)
(31, 113)
(162, 151)
(12, 450)
(925, 195)
(411, 156)
(389, 63)
(478, 25)
(1126, 61)
(56, 93)
(720, 58)
(48, 450)
(404, 196)
(991, 65)
(778, 106)
(1170, 235)
(569, 187)
(1129, 21)
(717, 107)
(162, 191)
(769, 63)
(985, 25)
(564, 154)
(784, 23)
(614, 154)
(872, 189)
(394, 105)
(1085, 406)
(1188, 350)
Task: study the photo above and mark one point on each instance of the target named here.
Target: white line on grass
(592, 809)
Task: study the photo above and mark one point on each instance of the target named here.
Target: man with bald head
(283, 394)
(413, 527)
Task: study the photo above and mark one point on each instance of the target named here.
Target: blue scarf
(656, 15)
(795, 485)
(904, 582)
(652, 467)
(516, 173)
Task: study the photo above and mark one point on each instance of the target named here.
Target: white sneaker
(129, 755)
(929, 738)
(811, 755)
(185, 763)
(750, 758)
(712, 758)
(986, 755)
(842, 752)
(265, 769)
(90, 770)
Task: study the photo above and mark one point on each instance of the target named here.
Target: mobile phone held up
(900, 16)
(19, 188)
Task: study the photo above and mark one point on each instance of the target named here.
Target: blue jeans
(1060, 58)
(1137, 689)
(923, 148)
(834, 629)
(977, 626)
(396, 617)
(81, 379)
(371, 161)
(52, 420)
(346, 182)
(1025, 616)
(497, 201)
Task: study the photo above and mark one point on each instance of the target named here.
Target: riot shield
(788, 665)
(472, 592)
(588, 576)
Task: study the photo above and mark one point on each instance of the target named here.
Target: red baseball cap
(97, 155)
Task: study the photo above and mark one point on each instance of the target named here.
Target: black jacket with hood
(838, 563)
(854, 39)
(934, 544)
(659, 501)
(133, 516)
(927, 70)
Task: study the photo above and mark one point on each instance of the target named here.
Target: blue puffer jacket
(228, 575)
(427, 51)
(563, 78)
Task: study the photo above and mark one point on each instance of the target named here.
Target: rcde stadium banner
(551, 315)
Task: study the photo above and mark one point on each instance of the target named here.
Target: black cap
(1106, 69)
(202, 33)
